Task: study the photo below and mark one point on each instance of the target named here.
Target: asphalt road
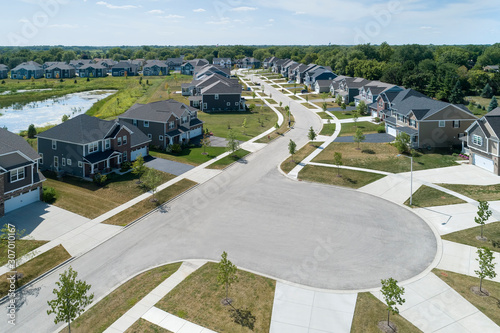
(311, 234)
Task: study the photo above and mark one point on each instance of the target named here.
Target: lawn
(481, 100)
(23, 246)
(190, 155)
(198, 300)
(383, 157)
(328, 129)
(104, 313)
(309, 106)
(144, 326)
(271, 101)
(281, 130)
(324, 115)
(230, 159)
(343, 114)
(370, 311)
(348, 178)
(476, 192)
(427, 196)
(90, 200)
(295, 98)
(328, 104)
(348, 129)
(292, 85)
(261, 119)
(463, 283)
(468, 236)
(302, 153)
(141, 208)
(36, 267)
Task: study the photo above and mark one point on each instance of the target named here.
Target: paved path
(172, 323)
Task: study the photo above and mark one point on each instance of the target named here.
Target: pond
(18, 117)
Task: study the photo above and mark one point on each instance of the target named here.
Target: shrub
(100, 179)
(381, 129)
(3, 81)
(402, 142)
(31, 131)
(88, 79)
(168, 149)
(352, 104)
(176, 148)
(49, 194)
(125, 166)
(377, 119)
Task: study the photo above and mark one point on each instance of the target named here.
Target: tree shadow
(243, 317)
(368, 151)
(22, 295)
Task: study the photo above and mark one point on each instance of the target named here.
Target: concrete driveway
(461, 174)
(172, 167)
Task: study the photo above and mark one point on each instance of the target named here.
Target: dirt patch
(391, 328)
(482, 293)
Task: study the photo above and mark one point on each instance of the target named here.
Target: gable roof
(126, 64)
(10, 142)
(95, 66)
(221, 87)
(60, 65)
(3, 67)
(151, 63)
(323, 83)
(30, 65)
(493, 118)
(157, 111)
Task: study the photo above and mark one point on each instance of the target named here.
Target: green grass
(482, 101)
(23, 246)
(258, 121)
(281, 130)
(309, 106)
(104, 313)
(271, 101)
(347, 178)
(295, 98)
(463, 283)
(190, 155)
(145, 206)
(230, 159)
(427, 196)
(328, 129)
(349, 129)
(369, 311)
(343, 114)
(324, 115)
(383, 157)
(144, 326)
(198, 300)
(90, 200)
(468, 236)
(302, 153)
(328, 104)
(476, 192)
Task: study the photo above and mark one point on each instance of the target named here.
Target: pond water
(49, 112)
(20, 91)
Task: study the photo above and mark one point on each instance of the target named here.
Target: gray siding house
(26, 71)
(60, 71)
(93, 70)
(4, 71)
(223, 62)
(155, 68)
(124, 68)
(20, 179)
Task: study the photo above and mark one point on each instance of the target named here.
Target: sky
(250, 22)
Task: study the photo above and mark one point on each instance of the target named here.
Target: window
(184, 119)
(413, 123)
(216, 96)
(68, 161)
(107, 144)
(41, 158)
(146, 123)
(56, 162)
(54, 144)
(63, 161)
(236, 103)
(80, 164)
(93, 147)
(171, 125)
(16, 175)
(477, 140)
(124, 156)
(134, 122)
(119, 140)
(204, 105)
(160, 137)
(124, 139)
(442, 123)
(150, 136)
(456, 123)
(228, 103)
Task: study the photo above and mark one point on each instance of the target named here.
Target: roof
(493, 118)
(211, 78)
(323, 83)
(30, 65)
(137, 137)
(222, 87)
(157, 111)
(126, 64)
(175, 60)
(60, 66)
(94, 66)
(3, 67)
(409, 99)
(151, 63)
(100, 156)
(10, 142)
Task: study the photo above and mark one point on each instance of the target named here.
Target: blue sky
(223, 22)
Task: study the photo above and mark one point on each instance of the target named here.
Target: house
(108, 63)
(60, 71)
(491, 68)
(286, 66)
(483, 141)
(300, 72)
(349, 87)
(26, 71)
(188, 67)
(250, 62)
(223, 62)
(47, 64)
(20, 178)
(269, 62)
(428, 122)
(138, 62)
(291, 71)
(124, 68)
(84, 146)
(207, 70)
(322, 86)
(174, 64)
(277, 65)
(165, 122)
(4, 72)
(93, 70)
(80, 62)
(319, 73)
(155, 68)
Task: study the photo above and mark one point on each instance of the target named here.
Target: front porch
(103, 163)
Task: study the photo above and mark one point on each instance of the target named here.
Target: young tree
(227, 275)
(324, 106)
(487, 91)
(486, 265)
(71, 298)
(254, 94)
(291, 148)
(493, 104)
(338, 100)
(311, 134)
(232, 143)
(359, 136)
(205, 142)
(307, 98)
(337, 160)
(355, 116)
(361, 109)
(64, 118)
(31, 131)
(139, 168)
(402, 142)
(324, 96)
(393, 295)
(343, 106)
(244, 125)
(152, 179)
(483, 214)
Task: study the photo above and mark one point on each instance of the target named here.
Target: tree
(493, 104)
(457, 94)
(359, 136)
(71, 298)
(31, 131)
(343, 106)
(338, 100)
(232, 143)
(244, 125)
(486, 265)
(337, 160)
(487, 91)
(227, 275)
(139, 168)
(361, 108)
(291, 148)
(64, 118)
(483, 214)
(254, 94)
(355, 117)
(307, 98)
(402, 142)
(152, 179)
(311, 135)
(324, 96)
(393, 295)
(324, 106)
(205, 142)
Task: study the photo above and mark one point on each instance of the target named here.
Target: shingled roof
(157, 111)
(10, 142)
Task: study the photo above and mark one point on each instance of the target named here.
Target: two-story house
(155, 68)
(124, 68)
(189, 67)
(207, 70)
(93, 70)
(318, 73)
(4, 72)
(26, 71)
(80, 62)
(60, 71)
(250, 62)
(348, 88)
(20, 179)
(165, 122)
(483, 141)
(223, 62)
(84, 146)
(108, 63)
(174, 64)
(216, 93)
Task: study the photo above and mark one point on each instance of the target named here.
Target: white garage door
(374, 113)
(142, 151)
(483, 162)
(22, 200)
(391, 130)
(195, 132)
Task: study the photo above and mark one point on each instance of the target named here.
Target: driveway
(369, 138)
(172, 167)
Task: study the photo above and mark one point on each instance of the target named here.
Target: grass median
(427, 196)
(468, 236)
(476, 192)
(338, 177)
(302, 153)
(230, 159)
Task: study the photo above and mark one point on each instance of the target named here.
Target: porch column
(92, 168)
(107, 163)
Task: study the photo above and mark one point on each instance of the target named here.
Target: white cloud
(243, 9)
(199, 10)
(299, 13)
(425, 28)
(271, 20)
(156, 11)
(110, 6)
(220, 22)
(172, 16)
(64, 26)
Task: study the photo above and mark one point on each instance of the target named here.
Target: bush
(168, 149)
(495, 243)
(377, 119)
(100, 179)
(125, 166)
(176, 148)
(402, 142)
(381, 129)
(31, 131)
(49, 194)
(352, 104)
(3, 81)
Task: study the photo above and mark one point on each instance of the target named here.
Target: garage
(483, 163)
(391, 130)
(22, 200)
(140, 151)
(196, 132)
